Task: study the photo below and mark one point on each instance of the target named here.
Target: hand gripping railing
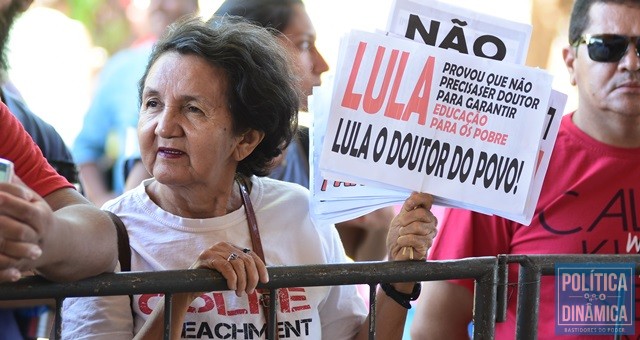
(484, 270)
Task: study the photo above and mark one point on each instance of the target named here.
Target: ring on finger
(246, 250)
(232, 257)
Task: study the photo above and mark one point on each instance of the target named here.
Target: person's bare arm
(93, 184)
(62, 236)
(391, 317)
(444, 311)
(411, 234)
(364, 237)
(81, 242)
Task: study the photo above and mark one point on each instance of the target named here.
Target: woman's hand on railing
(242, 267)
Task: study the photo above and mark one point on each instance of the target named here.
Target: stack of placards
(440, 103)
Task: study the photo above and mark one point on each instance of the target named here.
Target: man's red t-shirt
(588, 205)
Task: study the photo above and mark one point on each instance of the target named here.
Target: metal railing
(489, 273)
(482, 270)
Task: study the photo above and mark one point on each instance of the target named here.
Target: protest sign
(458, 29)
(421, 118)
(335, 201)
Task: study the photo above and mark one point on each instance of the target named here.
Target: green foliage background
(105, 20)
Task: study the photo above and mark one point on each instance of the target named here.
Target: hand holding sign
(412, 231)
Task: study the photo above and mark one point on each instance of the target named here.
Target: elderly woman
(218, 102)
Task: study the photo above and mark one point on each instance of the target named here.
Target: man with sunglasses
(591, 196)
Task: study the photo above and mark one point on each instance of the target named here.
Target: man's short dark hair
(580, 15)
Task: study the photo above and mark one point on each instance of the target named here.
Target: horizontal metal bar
(176, 281)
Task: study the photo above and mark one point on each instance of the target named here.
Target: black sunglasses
(607, 48)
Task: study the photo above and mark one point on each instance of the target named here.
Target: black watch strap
(402, 299)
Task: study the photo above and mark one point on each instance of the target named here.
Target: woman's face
(185, 127)
(301, 42)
